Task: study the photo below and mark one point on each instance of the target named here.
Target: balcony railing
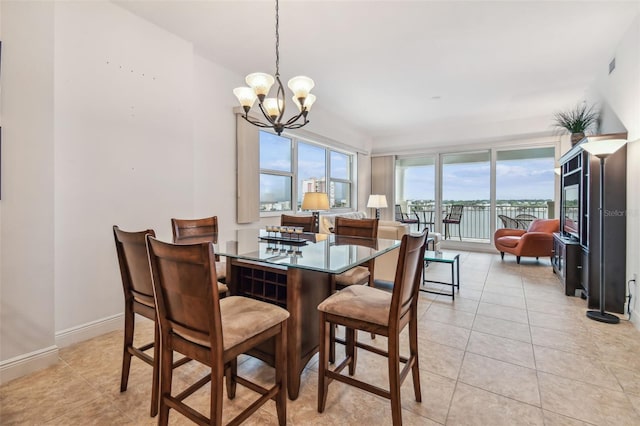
(474, 224)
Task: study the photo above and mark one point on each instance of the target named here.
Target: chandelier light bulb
(273, 107)
(246, 96)
(309, 100)
(301, 86)
(261, 83)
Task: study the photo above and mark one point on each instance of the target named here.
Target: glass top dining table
(317, 252)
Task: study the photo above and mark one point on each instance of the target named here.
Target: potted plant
(578, 120)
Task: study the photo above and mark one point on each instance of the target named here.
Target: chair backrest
(408, 274)
(399, 214)
(189, 228)
(508, 222)
(186, 290)
(548, 226)
(134, 264)
(456, 212)
(306, 222)
(366, 228)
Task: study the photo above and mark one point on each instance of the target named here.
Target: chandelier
(273, 108)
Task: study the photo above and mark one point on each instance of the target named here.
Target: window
(284, 161)
(276, 172)
(524, 185)
(340, 184)
(466, 181)
(312, 169)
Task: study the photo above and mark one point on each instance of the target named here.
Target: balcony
(475, 222)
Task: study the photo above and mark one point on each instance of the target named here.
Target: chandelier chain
(277, 41)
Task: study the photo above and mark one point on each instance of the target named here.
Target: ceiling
(392, 67)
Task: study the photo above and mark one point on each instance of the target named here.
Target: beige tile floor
(511, 350)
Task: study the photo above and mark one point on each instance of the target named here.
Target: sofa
(385, 269)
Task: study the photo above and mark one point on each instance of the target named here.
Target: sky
(515, 180)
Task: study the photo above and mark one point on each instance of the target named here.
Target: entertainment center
(576, 257)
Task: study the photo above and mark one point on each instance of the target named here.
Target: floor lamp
(377, 202)
(315, 201)
(602, 149)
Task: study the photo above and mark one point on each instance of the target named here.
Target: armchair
(536, 241)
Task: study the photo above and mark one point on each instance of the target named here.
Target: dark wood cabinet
(567, 263)
(581, 173)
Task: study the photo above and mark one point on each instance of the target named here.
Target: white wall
(144, 131)
(123, 147)
(26, 230)
(621, 92)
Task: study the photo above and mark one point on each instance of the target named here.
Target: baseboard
(27, 363)
(635, 319)
(89, 330)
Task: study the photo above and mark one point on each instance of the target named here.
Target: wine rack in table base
(299, 291)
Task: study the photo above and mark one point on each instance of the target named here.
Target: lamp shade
(377, 201)
(604, 147)
(315, 201)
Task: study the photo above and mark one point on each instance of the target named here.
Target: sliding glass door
(466, 182)
(525, 184)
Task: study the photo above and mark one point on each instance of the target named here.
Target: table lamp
(602, 149)
(377, 201)
(315, 201)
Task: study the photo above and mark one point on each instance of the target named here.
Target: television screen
(571, 210)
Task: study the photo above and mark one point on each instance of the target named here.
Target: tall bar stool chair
(138, 299)
(199, 230)
(363, 228)
(195, 322)
(377, 311)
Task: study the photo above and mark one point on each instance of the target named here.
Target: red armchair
(536, 241)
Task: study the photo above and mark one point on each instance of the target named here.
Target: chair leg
(351, 337)
(217, 377)
(518, 260)
(394, 379)
(129, 326)
(231, 372)
(459, 232)
(323, 365)
(413, 353)
(166, 373)
(155, 386)
(332, 344)
(281, 374)
(502, 255)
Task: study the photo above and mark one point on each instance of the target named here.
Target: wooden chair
(138, 299)
(404, 217)
(306, 222)
(377, 311)
(363, 228)
(454, 217)
(199, 230)
(195, 322)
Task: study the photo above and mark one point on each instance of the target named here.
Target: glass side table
(442, 257)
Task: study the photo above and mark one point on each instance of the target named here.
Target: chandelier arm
(267, 116)
(256, 122)
(297, 126)
(293, 119)
(280, 98)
